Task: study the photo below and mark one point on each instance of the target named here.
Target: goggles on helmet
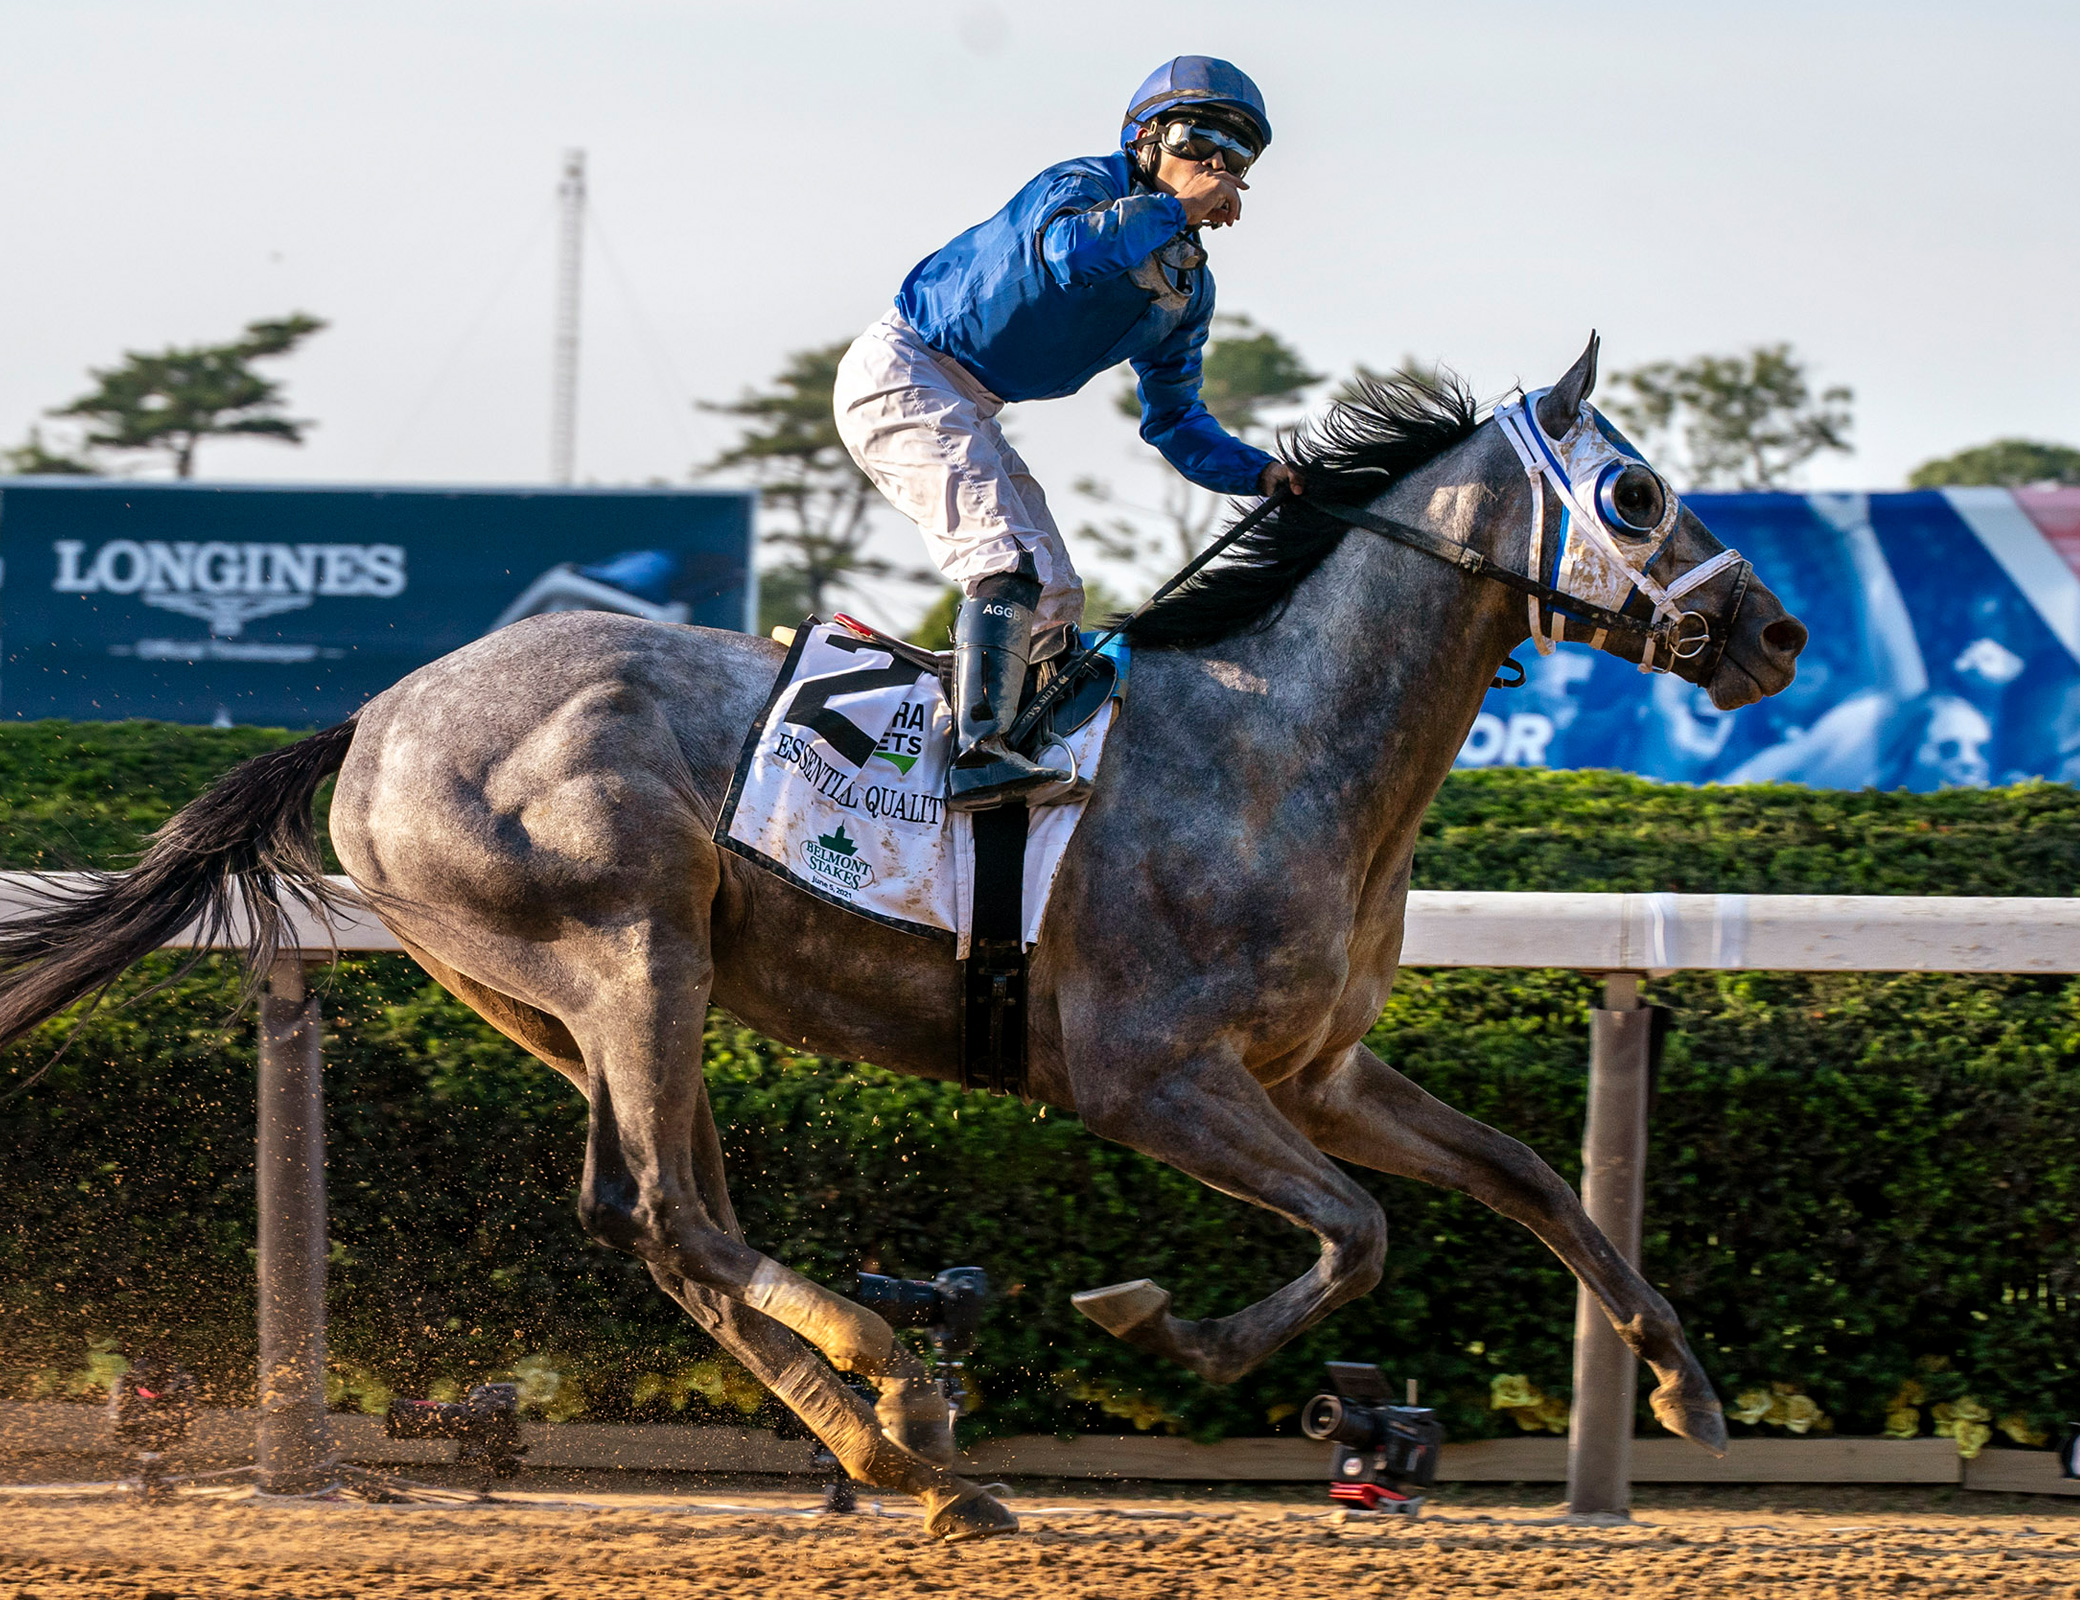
(1196, 141)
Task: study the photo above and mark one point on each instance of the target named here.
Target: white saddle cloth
(841, 790)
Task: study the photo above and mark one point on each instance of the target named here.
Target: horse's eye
(1633, 499)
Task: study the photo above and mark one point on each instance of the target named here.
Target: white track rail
(1648, 933)
(1655, 933)
(357, 929)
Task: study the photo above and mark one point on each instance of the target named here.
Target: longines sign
(256, 603)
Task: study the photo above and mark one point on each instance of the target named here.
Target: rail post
(295, 1444)
(1614, 1164)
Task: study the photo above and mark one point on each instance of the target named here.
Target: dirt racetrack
(594, 1544)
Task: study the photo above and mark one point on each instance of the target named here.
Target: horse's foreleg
(1210, 1119)
(1361, 1110)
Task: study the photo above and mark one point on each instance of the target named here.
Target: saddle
(1053, 647)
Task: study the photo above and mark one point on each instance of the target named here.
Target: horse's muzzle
(1761, 655)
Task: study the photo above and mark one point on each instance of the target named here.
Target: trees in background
(169, 402)
(2005, 463)
(934, 630)
(821, 503)
(1248, 371)
(34, 457)
(1744, 421)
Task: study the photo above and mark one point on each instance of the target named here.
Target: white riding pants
(924, 429)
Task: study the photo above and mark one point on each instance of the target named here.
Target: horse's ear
(1563, 402)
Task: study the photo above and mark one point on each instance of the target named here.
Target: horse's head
(1609, 532)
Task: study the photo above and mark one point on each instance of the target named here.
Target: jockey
(1096, 261)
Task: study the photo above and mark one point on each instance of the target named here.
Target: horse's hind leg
(857, 1435)
(1361, 1110)
(533, 1030)
(1210, 1119)
(653, 1187)
(910, 1421)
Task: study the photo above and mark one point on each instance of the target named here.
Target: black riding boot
(992, 638)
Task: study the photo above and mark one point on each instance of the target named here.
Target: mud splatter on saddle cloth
(841, 790)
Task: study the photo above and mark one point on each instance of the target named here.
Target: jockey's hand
(1211, 197)
(1280, 476)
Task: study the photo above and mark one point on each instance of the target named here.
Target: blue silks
(1071, 278)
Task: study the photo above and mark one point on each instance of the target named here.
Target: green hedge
(84, 794)
(1609, 831)
(1856, 1182)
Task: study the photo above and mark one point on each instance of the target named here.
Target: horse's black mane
(1381, 429)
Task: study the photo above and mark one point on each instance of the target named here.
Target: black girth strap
(1472, 561)
(993, 978)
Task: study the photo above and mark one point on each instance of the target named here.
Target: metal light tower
(570, 260)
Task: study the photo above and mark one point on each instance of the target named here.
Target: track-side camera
(485, 1426)
(149, 1409)
(949, 1310)
(1378, 1450)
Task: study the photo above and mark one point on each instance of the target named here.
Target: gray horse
(533, 817)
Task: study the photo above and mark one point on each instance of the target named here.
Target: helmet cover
(1189, 81)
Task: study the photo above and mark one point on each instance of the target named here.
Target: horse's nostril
(1787, 635)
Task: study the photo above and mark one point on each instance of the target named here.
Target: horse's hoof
(975, 1515)
(1700, 1419)
(1124, 1308)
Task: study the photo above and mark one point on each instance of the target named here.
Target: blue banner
(290, 606)
(1945, 653)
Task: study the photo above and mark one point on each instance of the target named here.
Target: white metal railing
(1589, 932)
(356, 928)
(1735, 932)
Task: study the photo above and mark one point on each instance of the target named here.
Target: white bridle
(1599, 568)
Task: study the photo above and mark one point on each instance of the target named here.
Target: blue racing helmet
(1195, 81)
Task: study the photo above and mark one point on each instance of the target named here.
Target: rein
(1672, 634)
(1469, 560)
(1667, 627)
(1651, 633)
(1044, 702)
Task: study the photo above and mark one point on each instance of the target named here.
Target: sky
(1888, 187)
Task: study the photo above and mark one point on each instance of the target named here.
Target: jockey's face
(1205, 180)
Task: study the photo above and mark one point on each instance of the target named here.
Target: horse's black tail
(240, 847)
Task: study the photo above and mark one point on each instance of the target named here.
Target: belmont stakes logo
(229, 585)
(834, 858)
